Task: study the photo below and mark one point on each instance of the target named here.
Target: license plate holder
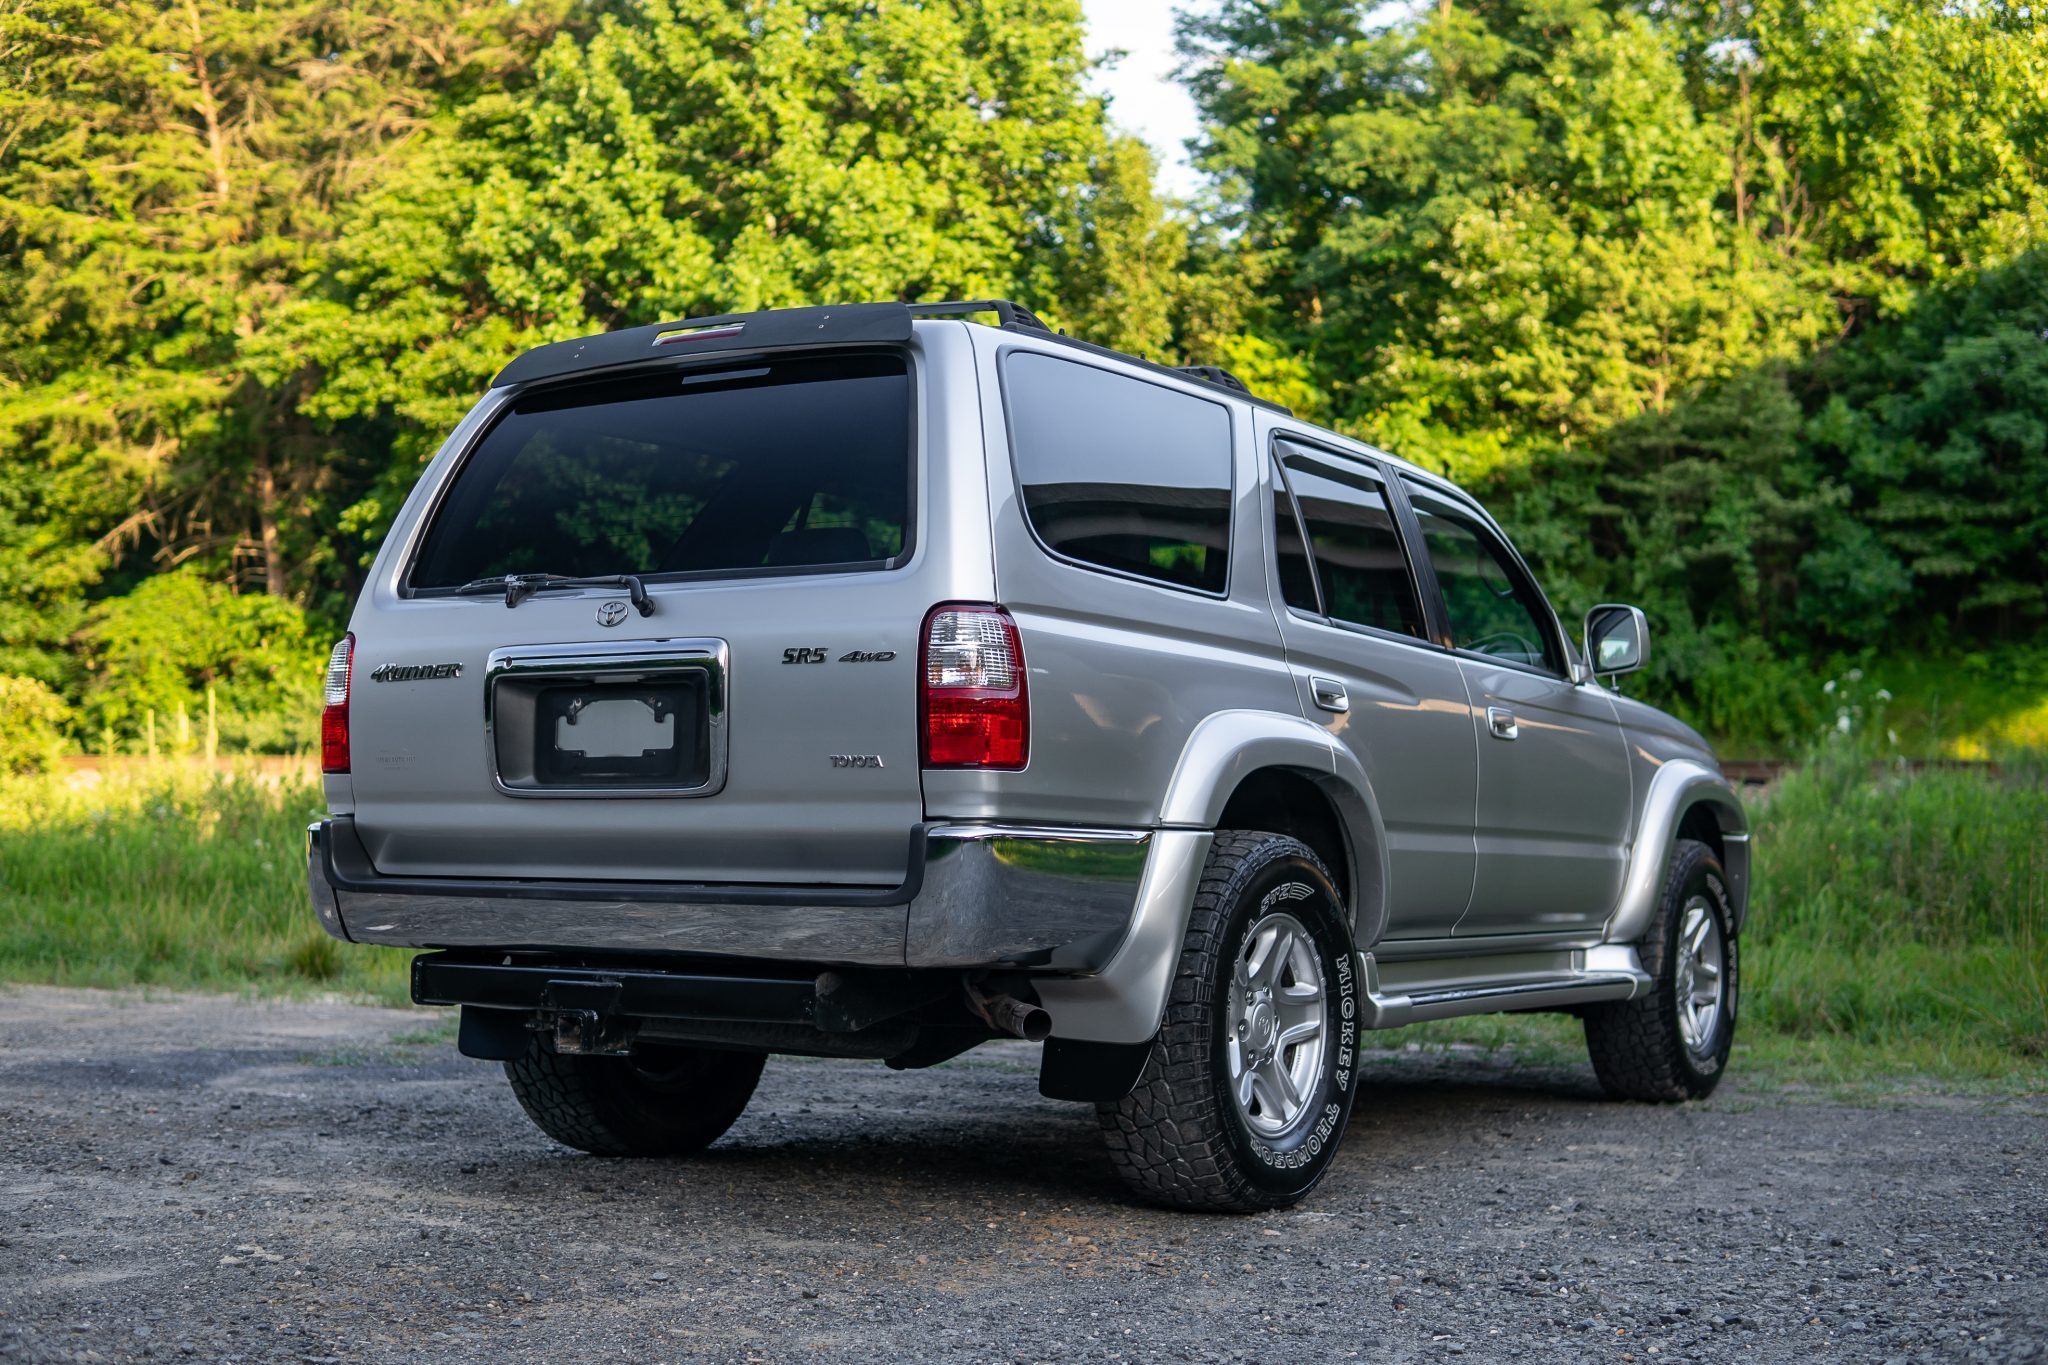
(594, 734)
(634, 719)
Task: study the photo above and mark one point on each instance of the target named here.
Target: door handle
(1501, 722)
(1329, 694)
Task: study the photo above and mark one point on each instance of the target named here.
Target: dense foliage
(1737, 308)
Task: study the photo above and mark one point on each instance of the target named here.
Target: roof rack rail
(1215, 374)
(1017, 318)
(1014, 316)
(775, 329)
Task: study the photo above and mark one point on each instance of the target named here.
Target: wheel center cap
(1263, 1025)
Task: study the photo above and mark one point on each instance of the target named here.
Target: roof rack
(1015, 317)
(842, 324)
(1215, 374)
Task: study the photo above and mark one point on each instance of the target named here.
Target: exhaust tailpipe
(1008, 1014)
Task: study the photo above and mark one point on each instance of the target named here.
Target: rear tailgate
(760, 726)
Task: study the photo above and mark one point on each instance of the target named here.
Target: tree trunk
(266, 523)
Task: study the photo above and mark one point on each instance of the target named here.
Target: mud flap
(493, 1035)
(1074, 1069)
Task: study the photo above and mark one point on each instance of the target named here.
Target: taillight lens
(334, 720)
(971, 676)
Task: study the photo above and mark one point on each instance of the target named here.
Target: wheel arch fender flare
(1228, 747)
(1679, 787)
(1124, 1002)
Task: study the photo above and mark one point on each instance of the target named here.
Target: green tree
(696, 157)
(1495, 225)
(1124, 274)
(168, 173)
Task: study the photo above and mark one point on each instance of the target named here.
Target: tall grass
(1904, 911)
(176, 877)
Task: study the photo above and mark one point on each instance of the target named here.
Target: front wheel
(1244, 1098)
(660, 1101)
(1672, 1041)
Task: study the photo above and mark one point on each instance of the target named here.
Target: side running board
(1610, 972)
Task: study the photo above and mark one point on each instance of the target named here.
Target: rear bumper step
(974, 895)
(608, 1009)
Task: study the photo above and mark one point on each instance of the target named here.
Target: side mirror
(1617, 639)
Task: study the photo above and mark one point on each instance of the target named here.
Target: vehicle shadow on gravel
(961, 1132)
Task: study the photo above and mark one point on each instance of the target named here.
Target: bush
(159, 648)
(32, 723)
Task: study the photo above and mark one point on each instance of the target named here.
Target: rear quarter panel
(1120, 670)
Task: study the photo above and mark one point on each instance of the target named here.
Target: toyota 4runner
(876, 681)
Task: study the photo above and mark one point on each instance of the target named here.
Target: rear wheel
(1672, 1041)
(660, 1101)
(1244, 1098)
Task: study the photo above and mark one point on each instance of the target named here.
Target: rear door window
(1359, 563)
(1297, 575)
(800, 464)
(1121, 474)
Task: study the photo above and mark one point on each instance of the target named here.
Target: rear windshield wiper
(517, 587)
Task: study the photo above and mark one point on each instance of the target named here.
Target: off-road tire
(1639, 1051)
(661, 1101)
(1178, 1138)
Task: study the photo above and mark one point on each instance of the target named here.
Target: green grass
(1978, 705)
(1898, 935)
(1903, 915)
(177, 878)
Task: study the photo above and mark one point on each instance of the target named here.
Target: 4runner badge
(415, 672)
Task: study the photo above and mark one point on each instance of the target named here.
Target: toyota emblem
(611, 613)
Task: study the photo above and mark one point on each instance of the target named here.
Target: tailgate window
(781, 466)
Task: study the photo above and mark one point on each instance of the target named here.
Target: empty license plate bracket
(595, 723)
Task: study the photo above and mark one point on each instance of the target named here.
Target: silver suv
(875, 681)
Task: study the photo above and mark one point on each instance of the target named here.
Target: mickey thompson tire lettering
(1179, 1138)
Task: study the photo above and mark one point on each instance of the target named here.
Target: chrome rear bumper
(976, 895)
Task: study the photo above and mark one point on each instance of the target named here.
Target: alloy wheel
(1276, 1025)
(1699, 981)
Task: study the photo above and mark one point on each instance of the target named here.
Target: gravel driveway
(185, 1177)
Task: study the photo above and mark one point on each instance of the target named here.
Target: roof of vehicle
(834, 325)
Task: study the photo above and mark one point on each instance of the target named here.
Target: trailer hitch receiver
(577, 1019)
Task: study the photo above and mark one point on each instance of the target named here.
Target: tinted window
(1297, 579)
(786, 465)
(1493, 607)
(1120, 473)
(1358, 557)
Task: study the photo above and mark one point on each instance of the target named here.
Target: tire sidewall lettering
(1314, 1146)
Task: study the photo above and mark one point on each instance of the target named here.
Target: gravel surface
(194, 1178)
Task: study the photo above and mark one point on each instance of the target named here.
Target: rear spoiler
(774, 330)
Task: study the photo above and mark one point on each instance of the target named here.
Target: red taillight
(971, 689)
(334, 720)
